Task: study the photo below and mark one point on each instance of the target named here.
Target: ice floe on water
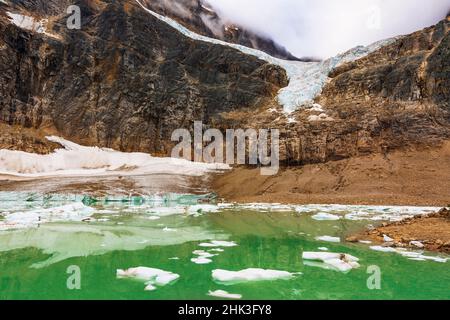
(77, 160)
(203, 257)
(334, 212)
(224, 294)
(34, 218)
(328, 239)
(306, 79)
(411, 255)
(218, 243)
(152, 278)
(251, 274)
(329, 260)
(325, 216)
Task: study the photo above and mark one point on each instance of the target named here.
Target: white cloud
(323, 28)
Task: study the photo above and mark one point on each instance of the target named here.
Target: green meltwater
(188, 247)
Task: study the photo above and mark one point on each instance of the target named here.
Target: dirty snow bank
(76, 160)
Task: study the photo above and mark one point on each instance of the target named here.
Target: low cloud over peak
(323, 28)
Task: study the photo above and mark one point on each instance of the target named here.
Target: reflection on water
(167, 231)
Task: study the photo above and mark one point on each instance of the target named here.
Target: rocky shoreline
(429, 232)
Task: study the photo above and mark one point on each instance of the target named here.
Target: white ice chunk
(328, 239)
(203, 208)
(201, 260)
(383, 249)
(224, 294)
(33, 218)
(203, 254)
(325, 216)
(251, 274)
(338, 261)
(150, 276)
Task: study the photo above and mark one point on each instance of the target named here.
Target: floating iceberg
(150, 276)
(328, 239)
(224, 294)
(337, 261)
(321, 216)
(203, 257)
(251, 274)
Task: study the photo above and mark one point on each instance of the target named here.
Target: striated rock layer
(125, 80)
(395, 98)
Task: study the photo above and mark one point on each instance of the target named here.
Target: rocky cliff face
(398, 97)
(125, 80)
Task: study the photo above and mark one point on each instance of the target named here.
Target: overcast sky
(323, 28)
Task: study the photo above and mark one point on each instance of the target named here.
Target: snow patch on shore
(30, 23)
(77, 160)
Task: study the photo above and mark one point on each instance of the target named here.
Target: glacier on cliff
(306, 79)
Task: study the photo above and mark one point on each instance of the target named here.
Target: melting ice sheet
(65, 226)
(76, 160)
(306, 79)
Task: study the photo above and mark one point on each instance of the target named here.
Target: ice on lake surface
(103, 234)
